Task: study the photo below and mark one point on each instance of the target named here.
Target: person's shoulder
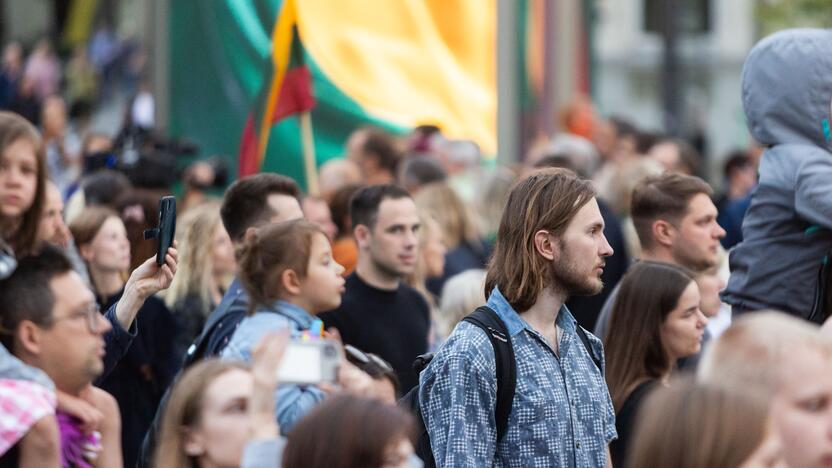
(468, 342)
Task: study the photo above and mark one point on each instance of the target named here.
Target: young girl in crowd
(140, 378)
(289, 274)
(206, 267)
(22, 182)
(693, 425)
(655, 321)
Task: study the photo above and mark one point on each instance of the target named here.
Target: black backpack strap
(488, 320)
(585, 341)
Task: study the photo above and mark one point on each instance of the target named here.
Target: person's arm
(608, 456)
(145, 281)
(41, 446)
(813, 199)
(293, 402)
(110, 428)
(458, 396)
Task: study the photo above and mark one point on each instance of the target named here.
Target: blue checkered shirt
(561, 415)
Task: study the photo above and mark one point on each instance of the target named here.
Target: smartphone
(309, 362)
(166, 230)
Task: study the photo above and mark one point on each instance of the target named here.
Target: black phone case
(167, 227)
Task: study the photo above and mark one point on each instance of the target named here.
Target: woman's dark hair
(633, 345)
(347, 432)
(339, 205)
(271, 251)
(23, 239)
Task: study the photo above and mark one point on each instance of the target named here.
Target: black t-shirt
(392, 324)
(625, 422)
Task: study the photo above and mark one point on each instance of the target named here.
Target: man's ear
(545, 245)
(663, 232)
(29, 337)
(362, 235)
(249, 235)
(290, 281)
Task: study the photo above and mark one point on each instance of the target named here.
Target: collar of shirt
(291, 311)
(515, 323)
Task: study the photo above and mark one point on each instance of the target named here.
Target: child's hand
(90, 417)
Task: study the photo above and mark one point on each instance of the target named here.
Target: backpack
(486, 319)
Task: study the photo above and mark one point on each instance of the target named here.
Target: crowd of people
(598, 304)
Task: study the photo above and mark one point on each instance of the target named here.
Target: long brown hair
(346, 432)
(693, 425)
(271, 251)
(23, 239)
(633, 345)
(548, 199)
(184, 409)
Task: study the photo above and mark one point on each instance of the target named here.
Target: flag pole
(308, 145)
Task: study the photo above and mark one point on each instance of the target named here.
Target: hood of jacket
(787, 88)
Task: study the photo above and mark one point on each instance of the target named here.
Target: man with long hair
(550, 246)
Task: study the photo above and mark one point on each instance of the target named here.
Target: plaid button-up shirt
(561, 415)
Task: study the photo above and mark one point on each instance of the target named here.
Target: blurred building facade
(714, 40)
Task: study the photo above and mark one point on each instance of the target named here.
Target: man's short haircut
(366, 201)
(547, 199)
(663, 197)
(383, 145)
(755, 350)
(245, 202)
(26, 294)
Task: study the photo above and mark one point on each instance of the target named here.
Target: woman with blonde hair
(431, 260)
(695, 425)
(460, 229)
(206, 267)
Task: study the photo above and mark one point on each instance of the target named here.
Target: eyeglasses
(91, 313)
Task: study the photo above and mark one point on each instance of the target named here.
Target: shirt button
(577, 445)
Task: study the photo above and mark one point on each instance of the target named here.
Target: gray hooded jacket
(787, 231)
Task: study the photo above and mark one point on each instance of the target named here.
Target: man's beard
(567, 279)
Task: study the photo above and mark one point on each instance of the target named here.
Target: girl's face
(224, 426)
(109, 250)
(682, 329)
(18, 178)
(323, 286)
(222, 253)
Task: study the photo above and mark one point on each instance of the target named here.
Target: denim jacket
(292, 402)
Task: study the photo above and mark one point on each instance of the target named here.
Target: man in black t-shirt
(379, 313)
